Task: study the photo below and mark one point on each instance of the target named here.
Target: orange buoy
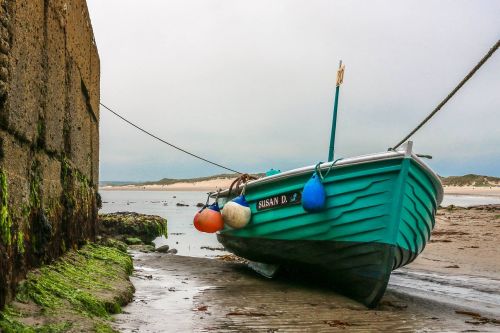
(196, 223)
(209, 219)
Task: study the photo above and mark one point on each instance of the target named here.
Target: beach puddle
(472, 293)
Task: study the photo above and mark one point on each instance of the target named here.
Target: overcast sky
(250, 84)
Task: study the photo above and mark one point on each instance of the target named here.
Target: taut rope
(450, 95)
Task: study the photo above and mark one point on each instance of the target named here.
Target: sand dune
(214, 184)
(206, 185)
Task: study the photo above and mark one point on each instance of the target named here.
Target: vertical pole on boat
(340, 79)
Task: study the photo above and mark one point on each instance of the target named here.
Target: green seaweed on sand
(85, 287)
(10, 324)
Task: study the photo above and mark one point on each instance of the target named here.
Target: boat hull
(358, 270)
(378, 217)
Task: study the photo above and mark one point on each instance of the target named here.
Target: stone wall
(49, 133)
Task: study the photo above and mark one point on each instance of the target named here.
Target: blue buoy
(313, 195)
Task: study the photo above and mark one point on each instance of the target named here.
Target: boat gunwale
(362, 159)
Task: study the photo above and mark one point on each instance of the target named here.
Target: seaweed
(77, 283)
(79, 205)
(40, 225)
(127, 225)
(9, 324)
(5, 217)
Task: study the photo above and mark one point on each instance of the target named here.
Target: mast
(340, 79)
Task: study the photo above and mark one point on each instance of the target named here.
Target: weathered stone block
(56, 82)
(15, 164)
(50, 191)
(59, 9)
(95, 153)
(95, 86)
(50, 172)
(79, 37)
(79, 121)
(26, 75)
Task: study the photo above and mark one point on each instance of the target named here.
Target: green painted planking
(419, 207)
(292, 217)
(391, 201)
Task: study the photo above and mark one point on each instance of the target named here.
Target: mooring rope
(243, 179)
(168, 143)
(450, 95)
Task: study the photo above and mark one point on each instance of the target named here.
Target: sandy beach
(473, 190)
(214, 184)
(464, 241)
(207, 185)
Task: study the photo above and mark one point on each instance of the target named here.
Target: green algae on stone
(5, 218)
(87, 285)
(40, 227)
(76, 209)
(20, 242)
(144, 248)
(124, 225)
(111, 242)
(103, 328)
(133, 241)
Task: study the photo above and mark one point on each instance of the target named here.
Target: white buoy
(237, 213)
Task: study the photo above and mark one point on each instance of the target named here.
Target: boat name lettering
(285, 199)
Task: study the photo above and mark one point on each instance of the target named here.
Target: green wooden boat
(379, 216)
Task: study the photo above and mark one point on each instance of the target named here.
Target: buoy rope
(166, 142)
(209, 194)
(318, 169)
(243, 179)
(450, 95)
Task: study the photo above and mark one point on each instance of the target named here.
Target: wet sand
(464, 241)
(453, 286)
(185, 294)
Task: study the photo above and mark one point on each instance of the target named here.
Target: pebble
(163, 249)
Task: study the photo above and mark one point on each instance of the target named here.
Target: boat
(376, 214)
(379, 215)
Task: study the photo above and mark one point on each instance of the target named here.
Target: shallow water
(181, 233)
(481, 293)
(468, 200)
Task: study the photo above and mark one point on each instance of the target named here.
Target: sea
(183, 236)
